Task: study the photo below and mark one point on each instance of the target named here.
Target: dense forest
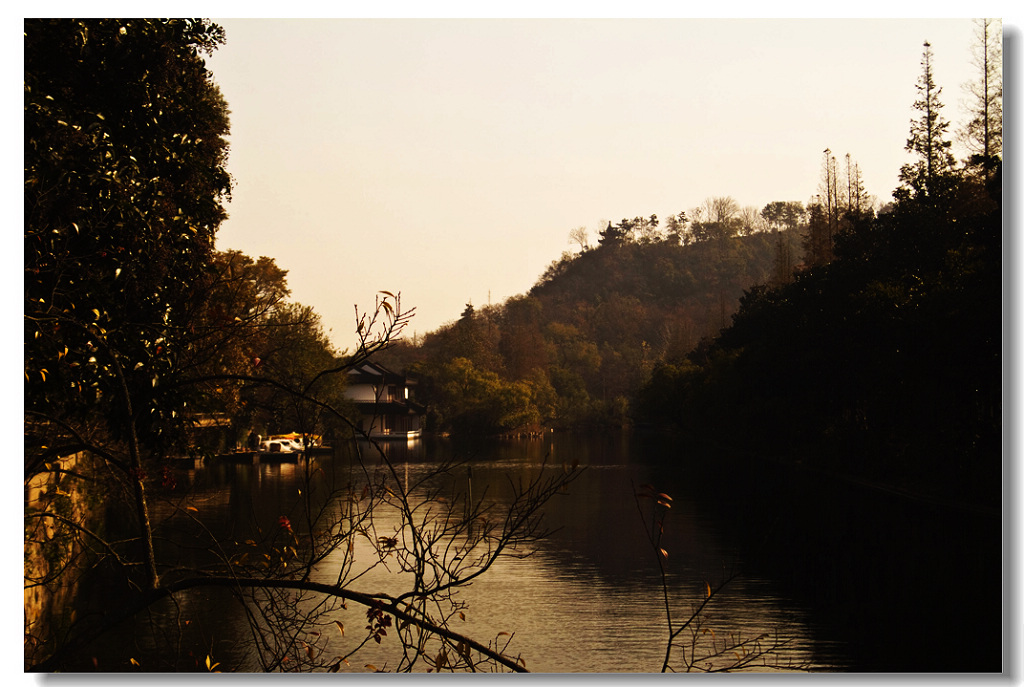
(881, 361)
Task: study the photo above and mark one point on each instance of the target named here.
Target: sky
(449, 159)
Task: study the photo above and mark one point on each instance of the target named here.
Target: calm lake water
(587, 600)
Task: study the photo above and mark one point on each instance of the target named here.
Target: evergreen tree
(927, 133)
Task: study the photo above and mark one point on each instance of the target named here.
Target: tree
(579, 235)
(818, 238)
(646, 229)
(676, 229)
(292, 350)
(779, 215)
(927, 132)
(857, 200)
(230, 326)
(983, 132)
(830, 190)
(750, 221)
(721, 209)
(124, 179)
(716, 218)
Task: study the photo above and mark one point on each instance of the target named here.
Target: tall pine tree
(927, 133)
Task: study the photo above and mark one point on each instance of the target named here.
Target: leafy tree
(292, 351)
(469, 400)
(676, 229)
(226, 340)
(124, 178)
(522, 343)
(783, 214)
(646, 229)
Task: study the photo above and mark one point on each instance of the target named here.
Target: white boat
(279, 449)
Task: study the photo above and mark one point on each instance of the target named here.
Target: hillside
(884, 364)
(576, 348)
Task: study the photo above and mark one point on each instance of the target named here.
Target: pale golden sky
(449, 159)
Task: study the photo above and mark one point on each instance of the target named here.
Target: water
(588, 598)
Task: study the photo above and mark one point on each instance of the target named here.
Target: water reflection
(588, 600)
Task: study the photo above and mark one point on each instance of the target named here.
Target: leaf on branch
(663, 552)
(707, 590)
(341, 628)
(371, 667)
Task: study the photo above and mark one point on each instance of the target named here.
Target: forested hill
(663, 293)
(577, 347)
(885, 363)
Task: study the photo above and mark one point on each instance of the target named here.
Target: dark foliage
(124, 179)
(885, 363)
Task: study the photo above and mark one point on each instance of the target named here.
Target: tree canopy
(124, 183)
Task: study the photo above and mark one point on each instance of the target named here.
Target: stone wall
(53, 559)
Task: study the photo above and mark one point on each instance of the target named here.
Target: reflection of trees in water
(596, 559)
